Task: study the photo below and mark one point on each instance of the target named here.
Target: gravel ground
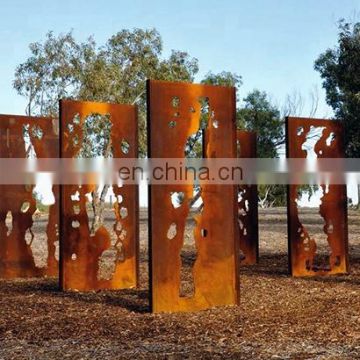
(279, 317)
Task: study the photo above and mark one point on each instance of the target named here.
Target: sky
(272, 44)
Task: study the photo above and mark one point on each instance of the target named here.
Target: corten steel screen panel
(215, 271)
(23, 252)
(80, 250)
(303, 252)
(248, 204)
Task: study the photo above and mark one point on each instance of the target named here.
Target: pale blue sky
(272, 44)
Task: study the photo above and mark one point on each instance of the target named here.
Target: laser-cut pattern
(85, 248)
(20, 137)
(248, 204)
(215, 271)
(333, 208)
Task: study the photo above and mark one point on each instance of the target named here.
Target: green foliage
(271, 195)
(52, 72)
(97, 131)
(44, 209)
(259, 115)
(307, 189)
(60, 67)
(224, 78)
(340, 70)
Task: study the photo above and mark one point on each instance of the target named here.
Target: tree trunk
(263, 201)
(98, 205)
(98, 202)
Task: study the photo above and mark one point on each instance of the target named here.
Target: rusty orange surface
(173, 116)
(333, 209)
(80, 250)
(18, 205)
(248, 204)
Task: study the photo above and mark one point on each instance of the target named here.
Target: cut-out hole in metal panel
(310, 255)
(102, 235)
(24, 249)
(248, 204)
(215, 269)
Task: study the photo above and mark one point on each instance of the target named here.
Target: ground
(279, 317)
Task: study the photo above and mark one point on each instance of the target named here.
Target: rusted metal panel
(333, 208)
(174, 115)
(18, 243)
(248, 204)
(81, 251)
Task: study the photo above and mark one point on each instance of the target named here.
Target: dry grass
(279, 317)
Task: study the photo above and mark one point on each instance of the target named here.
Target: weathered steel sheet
(333, 208)
(84, 253)
(18, 244)
(174, 115)
(248, 204)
